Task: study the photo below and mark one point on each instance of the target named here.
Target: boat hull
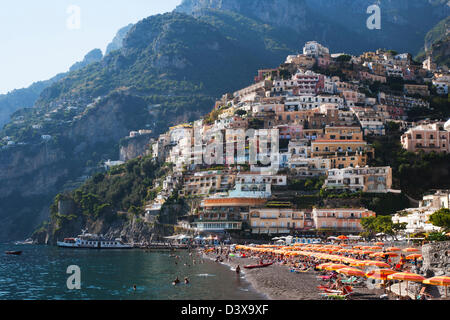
(16, 253)
(91, 246)
(258, 266)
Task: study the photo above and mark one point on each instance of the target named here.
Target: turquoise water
(40, 274)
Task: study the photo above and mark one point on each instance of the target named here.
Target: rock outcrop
(436, 260)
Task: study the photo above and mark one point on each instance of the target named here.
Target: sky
(41, 38)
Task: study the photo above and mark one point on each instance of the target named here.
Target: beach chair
(354, 281)
(338, 294)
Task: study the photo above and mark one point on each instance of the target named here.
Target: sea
(41, 273)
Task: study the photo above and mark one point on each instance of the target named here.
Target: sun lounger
(353, 281)
(337, 294)
(333, 296)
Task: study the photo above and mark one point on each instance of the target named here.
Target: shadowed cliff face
(328, 20)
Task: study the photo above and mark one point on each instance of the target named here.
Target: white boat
(28, 241)
(93, 241)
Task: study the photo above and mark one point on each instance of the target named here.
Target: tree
(369, 226)
(381, 224)
(441, 218)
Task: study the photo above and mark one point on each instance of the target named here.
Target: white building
(256, 185)
(442, 84)
(315, 49)
(417, 218)
(366, 179)
(109, 164)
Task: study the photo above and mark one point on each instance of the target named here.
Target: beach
(277, 282)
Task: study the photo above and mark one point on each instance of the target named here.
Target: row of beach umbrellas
(384, 274)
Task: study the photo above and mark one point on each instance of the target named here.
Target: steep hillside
(171, 69)
(26, 97)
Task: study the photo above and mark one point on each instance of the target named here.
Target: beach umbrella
(376, 248)
(379, 243)
(439, 281)
(406, 276)
(357, 263)
(393, 249)
(411, 250)
(323, 265)
(342, 237)
(380, 274)
(351, 272)
(379, 264)
(391, 254)
(414, 256)
(335, 266)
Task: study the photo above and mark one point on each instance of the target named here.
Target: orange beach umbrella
(352, 272)
(379, 264)
(405, 276)
(439, 281)
(335, 266)
(411, 250)
(414, 256)
(380, 274)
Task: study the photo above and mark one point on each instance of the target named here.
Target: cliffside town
(306, 122)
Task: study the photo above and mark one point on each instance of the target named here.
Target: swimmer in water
(186, 280)
(134, 287)
(176, 281)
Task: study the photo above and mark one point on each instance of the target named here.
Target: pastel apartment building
(277, 220)
(365, 179)
(220, 214)
(428, 138)
(340, 220)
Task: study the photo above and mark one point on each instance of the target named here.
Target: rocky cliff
(333, 22)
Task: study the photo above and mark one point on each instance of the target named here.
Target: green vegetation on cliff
(413, 173)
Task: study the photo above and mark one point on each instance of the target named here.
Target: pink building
(427, 137)
(290, 131)
(341, 220)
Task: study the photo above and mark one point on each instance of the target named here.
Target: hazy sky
(40, 38)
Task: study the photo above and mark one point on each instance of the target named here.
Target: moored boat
(17, 253)
(92, 241)
(263, 265)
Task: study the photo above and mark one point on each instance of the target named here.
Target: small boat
(28, 241)
(263, 265)
(17, 253)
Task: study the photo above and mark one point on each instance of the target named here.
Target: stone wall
(436, 260)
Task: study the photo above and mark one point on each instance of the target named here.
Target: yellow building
(343, 153)
(343, 133)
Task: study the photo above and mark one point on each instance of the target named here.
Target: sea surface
(40, 273)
